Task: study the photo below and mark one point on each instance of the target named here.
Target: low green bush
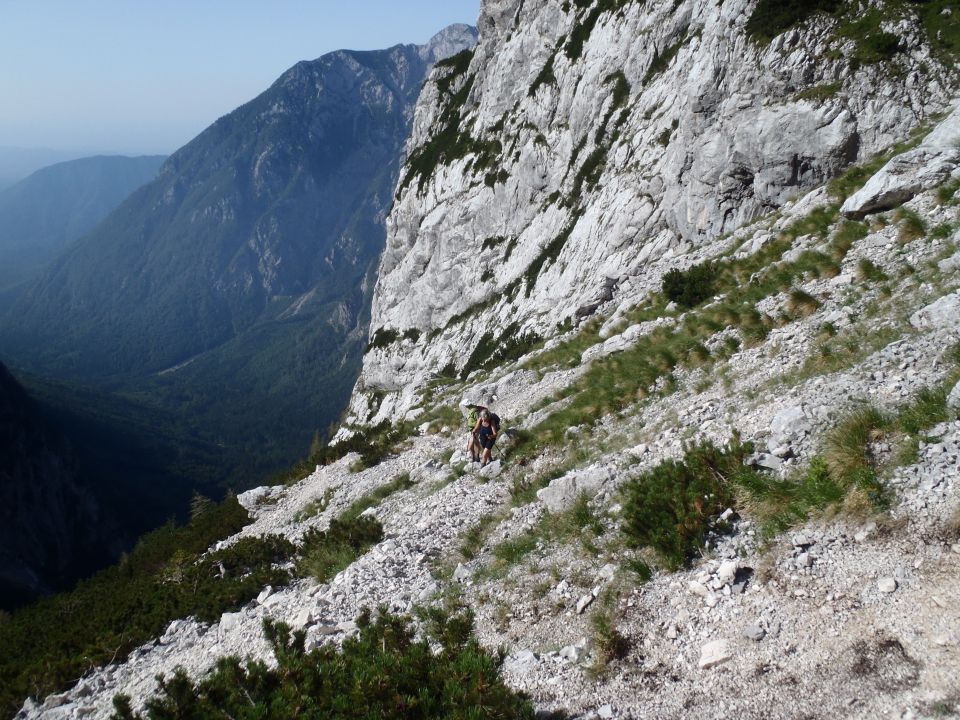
(672, 507)
(47, 646)
(688, 288)
(324, 553)
(386, 672)
(773, 17)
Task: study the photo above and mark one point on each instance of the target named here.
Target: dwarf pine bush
(385, 673)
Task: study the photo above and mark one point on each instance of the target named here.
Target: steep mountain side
(742, 503)
(53, 529)
(237, 284)
(589, 146)
(42, 214)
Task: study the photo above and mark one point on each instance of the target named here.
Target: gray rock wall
(584, 186)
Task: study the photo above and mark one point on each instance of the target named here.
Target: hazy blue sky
(145, 76)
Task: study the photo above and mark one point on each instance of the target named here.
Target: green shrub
(384, 673)
(672, 507)
(324, 553)
(51, 643)
(773, 17)
(691, 287)
(383, 337)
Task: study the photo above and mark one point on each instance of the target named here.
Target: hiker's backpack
(494, 421)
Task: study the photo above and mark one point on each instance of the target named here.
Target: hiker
(486, 431)
(473, 443)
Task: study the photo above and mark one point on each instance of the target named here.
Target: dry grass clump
(801, 303)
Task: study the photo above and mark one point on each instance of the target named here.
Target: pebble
(714, 653)
(887, 585)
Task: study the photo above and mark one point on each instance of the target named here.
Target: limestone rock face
(935, 161)
(582, 152)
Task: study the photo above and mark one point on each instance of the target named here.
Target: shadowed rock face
(589, 147)
(51, 529)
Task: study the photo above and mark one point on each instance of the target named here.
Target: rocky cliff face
(587, 147)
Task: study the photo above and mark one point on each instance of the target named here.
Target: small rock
(865, 532)
(491, 470)
(887, 585)
(584, 602)
(607, 572)
(672, 632)
(804, 560)
(714, 653)
(754, 632)
(303, 619)
(605, 712)
(264, 594)
(521, 661)
(698, 588)
(461, 574)
(956, 548)
(229, 622)
(712, 600)
(727, 572)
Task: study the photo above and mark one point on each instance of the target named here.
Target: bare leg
(486, 455)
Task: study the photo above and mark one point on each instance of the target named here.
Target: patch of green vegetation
(867, 270)
(941, 231)
(451, 143)
(457, 65)
(673, 506)
(549, 253)
(373, 443)
(50, 644)
(491, 351)
(580, 522)
(873, 44)
(383, 337)
(661, 60)
(372, 499)
(947, 192)
(315, 507)
(324, 553)
(774, 17)
(386, 673)
(545, 76)
(801, 304)
(819, 93)
(613, 383)
(688, 288)
(912, 226)
(412, 334)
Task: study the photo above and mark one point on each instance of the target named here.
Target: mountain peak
(449, 41)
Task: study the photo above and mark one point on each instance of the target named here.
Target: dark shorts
(487, 442)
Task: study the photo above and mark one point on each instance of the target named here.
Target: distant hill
(234, 288)
(42, 214)
(16, 163)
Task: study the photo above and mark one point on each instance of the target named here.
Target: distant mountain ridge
(42, 214)
(243, 272)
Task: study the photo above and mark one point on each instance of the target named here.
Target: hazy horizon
(139, 79)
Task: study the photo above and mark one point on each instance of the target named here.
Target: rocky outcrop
(586, 148)
(934, 162)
